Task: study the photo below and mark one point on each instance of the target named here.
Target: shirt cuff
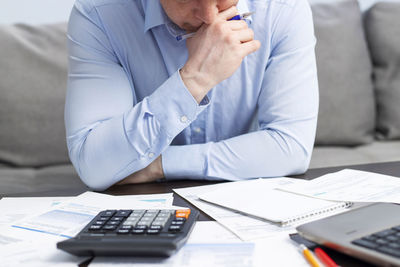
(174, 106)
(183, 162)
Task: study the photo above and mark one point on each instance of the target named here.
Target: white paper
(13, 209)
(68, 218)
(212, 246)
(246, 228)
(37, 253)
(350, 185)
(258, 198)
(31, 227)
(16, 209)
(278, 251)
(193, 255)
(211, 232)
(209, 244)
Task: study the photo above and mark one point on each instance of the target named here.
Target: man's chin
(190, 28)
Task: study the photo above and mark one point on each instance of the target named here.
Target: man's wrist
(157, 169)
(192, 83)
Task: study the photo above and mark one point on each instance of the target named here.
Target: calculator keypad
(138, 222)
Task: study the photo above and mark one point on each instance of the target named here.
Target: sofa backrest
(33, 75)
(347, 104)
(382, 25)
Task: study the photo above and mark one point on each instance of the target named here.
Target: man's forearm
(265, 153)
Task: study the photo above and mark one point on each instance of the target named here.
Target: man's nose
(207, 11)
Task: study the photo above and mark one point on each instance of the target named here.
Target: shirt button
(184, 119)
(151, 154)
(197, 129)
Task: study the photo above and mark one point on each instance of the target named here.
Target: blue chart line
(40, 231)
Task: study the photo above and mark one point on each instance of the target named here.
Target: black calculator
(133, 233)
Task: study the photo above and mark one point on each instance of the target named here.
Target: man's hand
(149, 174)
(216, 52)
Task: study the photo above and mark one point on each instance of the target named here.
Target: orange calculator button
(182, 213)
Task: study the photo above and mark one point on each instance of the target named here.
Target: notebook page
(260, 200)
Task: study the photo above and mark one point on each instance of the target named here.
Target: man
(237, 100)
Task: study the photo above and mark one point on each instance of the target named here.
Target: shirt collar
(155, 15)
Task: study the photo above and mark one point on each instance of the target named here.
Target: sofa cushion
(33, 76)
(347, 106)
(60, 180)
(380, 151)
(382, 24)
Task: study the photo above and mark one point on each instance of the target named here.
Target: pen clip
(247, 14)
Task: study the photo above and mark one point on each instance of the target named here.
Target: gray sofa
(359, 75)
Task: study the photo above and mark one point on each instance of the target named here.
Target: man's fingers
(249, 47)
(245, 35)
(236, 25)
(228, 13)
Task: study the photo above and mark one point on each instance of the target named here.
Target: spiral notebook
(272, 205)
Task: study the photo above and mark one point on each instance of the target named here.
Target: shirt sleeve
(287, 115)
(109, 134)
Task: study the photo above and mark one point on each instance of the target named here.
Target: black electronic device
(133, 233)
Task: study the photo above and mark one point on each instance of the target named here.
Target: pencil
(309, 256)
(324, 258)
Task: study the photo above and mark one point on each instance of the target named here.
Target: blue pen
(237, 17)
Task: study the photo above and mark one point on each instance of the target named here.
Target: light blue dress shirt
(126, 103)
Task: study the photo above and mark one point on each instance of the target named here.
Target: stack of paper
(243, 207)
(31, 227)
(350, 185)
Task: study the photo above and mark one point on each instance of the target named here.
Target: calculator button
(180, 219)
(108, 213)
(164, 213)
(123, 231)
(113, 223)
(95, 227)
(175, 228)
(117, 218)
(161, 224)
(140, 227)
(110, 227)
(156, 227)
(177, 222)
(104, 218)
(144, 223)
(138, 212)
(151, 212)
(153, 231)
(123, 213)
(135, 217)
(126, 227)
(182, 213)
(99, 222)
(137, 231)
(130, 222)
